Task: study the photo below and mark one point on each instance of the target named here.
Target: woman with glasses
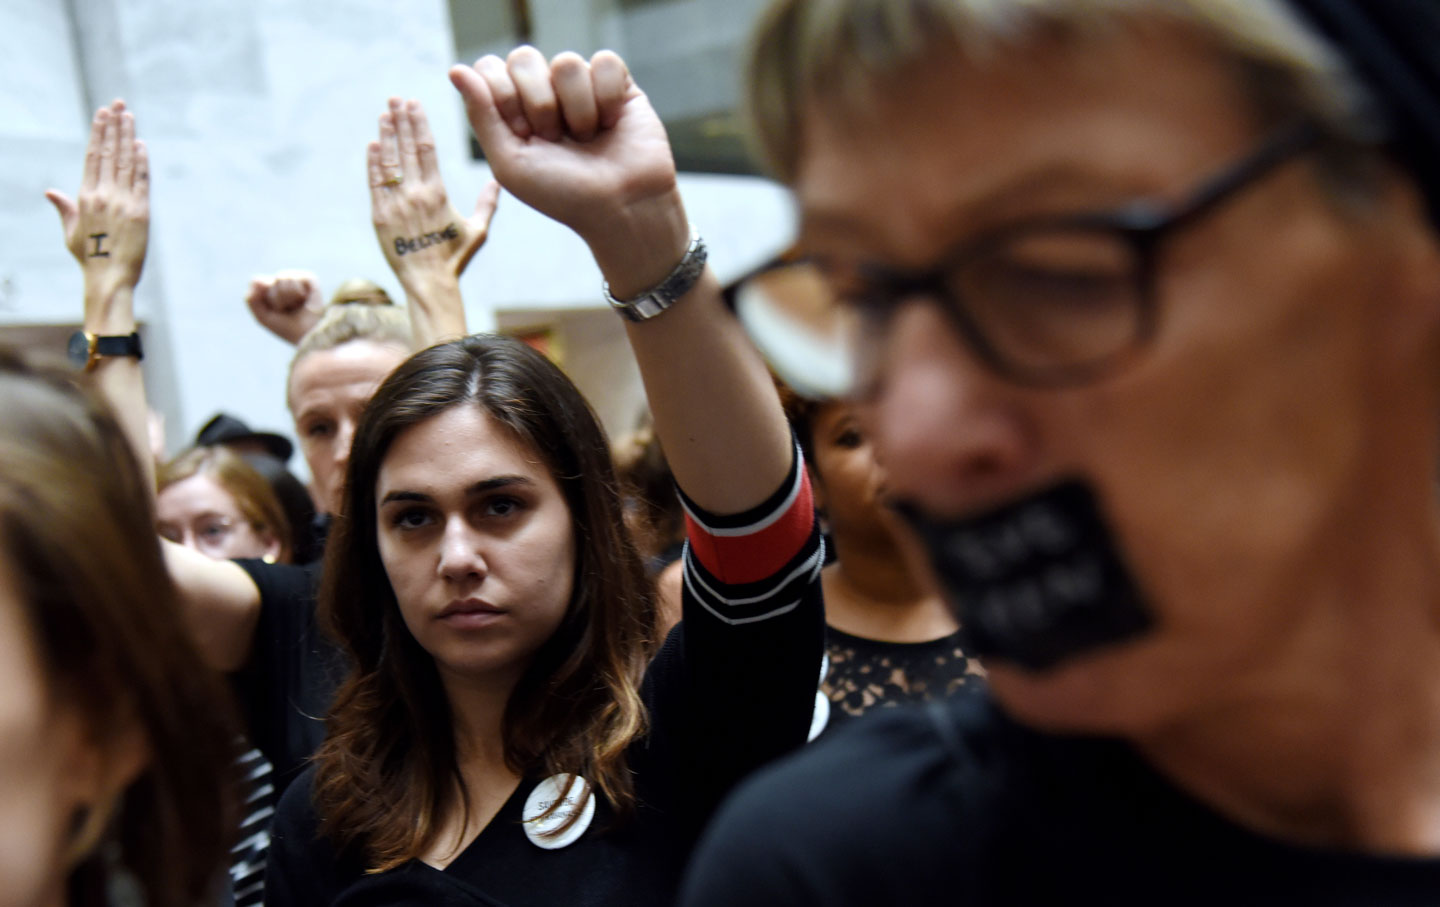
(1146, 316)
(211, 500)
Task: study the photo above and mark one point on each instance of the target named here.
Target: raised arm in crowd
(506, 730)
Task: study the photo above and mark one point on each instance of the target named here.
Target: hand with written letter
(107, 224)
(424, 238)
(287, 303)
(107, 229)
(578, 141)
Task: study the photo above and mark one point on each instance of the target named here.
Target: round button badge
(541, 829)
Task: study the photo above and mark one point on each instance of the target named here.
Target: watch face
(78, 349)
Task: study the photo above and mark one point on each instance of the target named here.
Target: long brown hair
(386, 776)
(77, 527)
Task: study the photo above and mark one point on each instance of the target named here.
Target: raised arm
(579, 141)
(107, 229)
(426, 242)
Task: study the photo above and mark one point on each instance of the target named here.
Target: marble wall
(257, 113)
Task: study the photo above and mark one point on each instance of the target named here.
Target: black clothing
(283, 691)
(294, 498)
(954, 803)
(867, 674)
(285, 687)
(732, 688)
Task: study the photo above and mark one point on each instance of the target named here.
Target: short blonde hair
(361, 290)
(835, 51)
(349, 321)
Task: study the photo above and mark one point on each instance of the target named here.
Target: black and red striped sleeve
(740, 672)
(756, 565)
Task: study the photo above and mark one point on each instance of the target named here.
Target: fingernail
(520, 125)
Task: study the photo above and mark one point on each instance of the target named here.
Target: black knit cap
(1394, 47)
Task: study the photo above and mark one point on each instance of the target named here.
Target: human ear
(272, 547)
(98, 772)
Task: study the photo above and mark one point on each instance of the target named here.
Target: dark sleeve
(734, 687)
(871, 816)
(301, 869)
(285, 686)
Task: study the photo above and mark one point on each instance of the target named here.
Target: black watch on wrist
(86, 349)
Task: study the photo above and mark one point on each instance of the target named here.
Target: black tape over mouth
(1037, 581)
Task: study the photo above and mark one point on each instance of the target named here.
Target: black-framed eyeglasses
(1048, 302)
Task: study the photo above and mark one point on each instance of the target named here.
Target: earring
(268, 558)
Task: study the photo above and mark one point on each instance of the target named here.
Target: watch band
(120, 345)
(679, 282)
(85, 349)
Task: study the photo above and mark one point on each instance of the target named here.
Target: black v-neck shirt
(285, 686)
(732, 688)
(955, 803)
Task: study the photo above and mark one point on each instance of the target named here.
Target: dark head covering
(226, 429)
(1394, 47)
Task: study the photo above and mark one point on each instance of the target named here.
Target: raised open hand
(286, 303)
(579, 142)
(107, 225)
(420, 231)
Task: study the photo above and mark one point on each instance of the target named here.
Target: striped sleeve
(757, 565)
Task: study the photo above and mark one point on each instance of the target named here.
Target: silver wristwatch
(681, 281)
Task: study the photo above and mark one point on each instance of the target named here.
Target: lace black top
(864, 674)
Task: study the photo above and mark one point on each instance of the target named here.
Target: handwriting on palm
(417, 226)
(107, 224)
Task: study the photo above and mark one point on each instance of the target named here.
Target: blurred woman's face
(43, 760)
(199, 513)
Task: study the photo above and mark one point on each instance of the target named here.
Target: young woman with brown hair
(251, 619)
(505, 735)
